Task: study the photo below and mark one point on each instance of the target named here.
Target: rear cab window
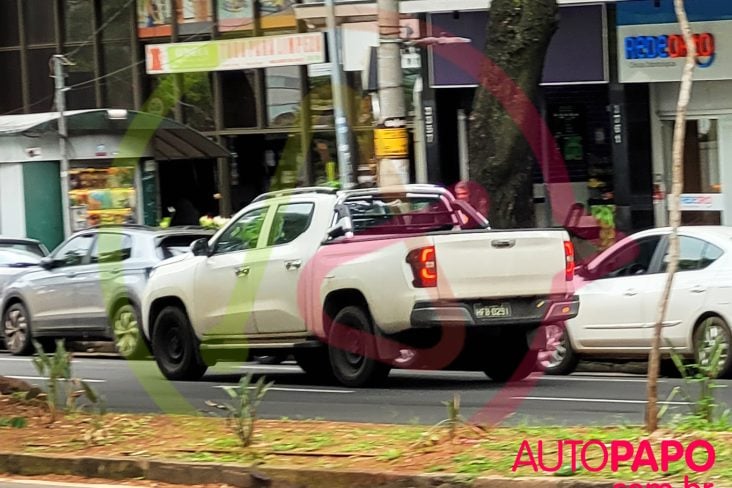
(400, 213)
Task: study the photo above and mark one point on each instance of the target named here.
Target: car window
(711, 254)
(289, 222)
(75, 251)
(243, 234)
(23, 246)
(16, 257)
(691, 254)
(635, 258)
(111, 247)
(399, 213)
(175, 245)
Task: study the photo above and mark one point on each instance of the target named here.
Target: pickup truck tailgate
(497, 264)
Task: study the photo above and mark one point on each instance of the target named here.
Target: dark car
(89, 288)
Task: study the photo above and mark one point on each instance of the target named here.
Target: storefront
(651, 50)
(117, 162)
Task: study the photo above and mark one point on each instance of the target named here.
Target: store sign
(655, 53)
(235, 54)
(702, 202)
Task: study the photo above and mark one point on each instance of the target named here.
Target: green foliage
(243, 411)
(700, 378)
(13, 422)
(62, 386)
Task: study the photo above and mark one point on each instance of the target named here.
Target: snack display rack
(102, 195)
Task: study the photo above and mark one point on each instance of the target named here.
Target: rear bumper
(528, 312)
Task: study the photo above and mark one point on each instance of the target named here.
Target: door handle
(698, 289)
(503, 244)
(294, 264)
(242, 271)
(631, 292)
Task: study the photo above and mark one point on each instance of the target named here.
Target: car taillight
(424, 266)
(568, 261)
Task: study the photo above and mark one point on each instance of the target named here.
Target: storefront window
(102, 193)
(38, 21)
(117, 87)
(284, 161)
(41, 86)
(283, 96)
(700, 203)
(9, 34)
(10, 83)
(198, 101)
(240, 109)
(81, 73)
(325, 160)
(277, 15)
(321, 99)
(78, 16)
(116, 16)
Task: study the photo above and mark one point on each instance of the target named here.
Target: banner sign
(235, 54)
(657, 52)
(701, 202)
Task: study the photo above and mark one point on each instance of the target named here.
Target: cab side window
(74, 252)
(242, 234)
(290, 221)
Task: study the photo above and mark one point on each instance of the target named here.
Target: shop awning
(170, 139)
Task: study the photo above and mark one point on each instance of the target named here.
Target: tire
(559, 358)
(17, 330)
(352, 349)
(512, 360)
(709, 331)
(128, 337)
(315, 363)
(175, 347)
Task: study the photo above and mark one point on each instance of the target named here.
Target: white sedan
(620, 291)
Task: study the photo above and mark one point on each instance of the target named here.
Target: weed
(57, 368)
(14, 422)
(243, 412)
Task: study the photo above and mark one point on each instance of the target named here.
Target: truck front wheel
(352, 349)
(175, 346)
(511, 360)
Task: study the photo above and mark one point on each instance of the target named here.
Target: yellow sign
(391, 143)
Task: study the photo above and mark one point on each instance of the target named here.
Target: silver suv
(89, 288)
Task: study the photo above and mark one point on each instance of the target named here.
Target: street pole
(390, 135)
(59, 63)
(420, 144)
(342, 128)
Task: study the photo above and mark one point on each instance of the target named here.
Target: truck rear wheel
(511, 360)
(175, 346)
(352, 349)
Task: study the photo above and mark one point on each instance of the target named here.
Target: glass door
(701, 201)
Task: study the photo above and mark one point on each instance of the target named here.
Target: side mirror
(336, 231)
(199, 247)
(47, 263)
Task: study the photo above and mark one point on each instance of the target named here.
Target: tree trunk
(501, 159)
(677, 186)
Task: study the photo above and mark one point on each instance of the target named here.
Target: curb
(241, 476)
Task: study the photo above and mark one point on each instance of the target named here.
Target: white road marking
(284, 388)
(273, 367)
(41, 378)
(58, 483)
(596, 379)
(593, 400)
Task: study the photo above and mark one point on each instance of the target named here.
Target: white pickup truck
(347, 281)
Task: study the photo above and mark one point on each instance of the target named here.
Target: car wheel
(710, 332)
(512, 360)
(175, 347)
(17, 330)
(352, 349)
(558, 358)
(128, 338)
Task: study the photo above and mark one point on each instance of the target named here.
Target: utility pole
(390, 135)
(342, 128)
(59, 74)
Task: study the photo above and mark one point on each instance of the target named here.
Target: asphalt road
(407, 397)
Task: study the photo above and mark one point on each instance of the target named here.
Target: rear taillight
(424, 266)
(568, 261)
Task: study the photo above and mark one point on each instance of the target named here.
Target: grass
(333, 445)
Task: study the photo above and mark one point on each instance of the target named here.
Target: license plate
(492, 311)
